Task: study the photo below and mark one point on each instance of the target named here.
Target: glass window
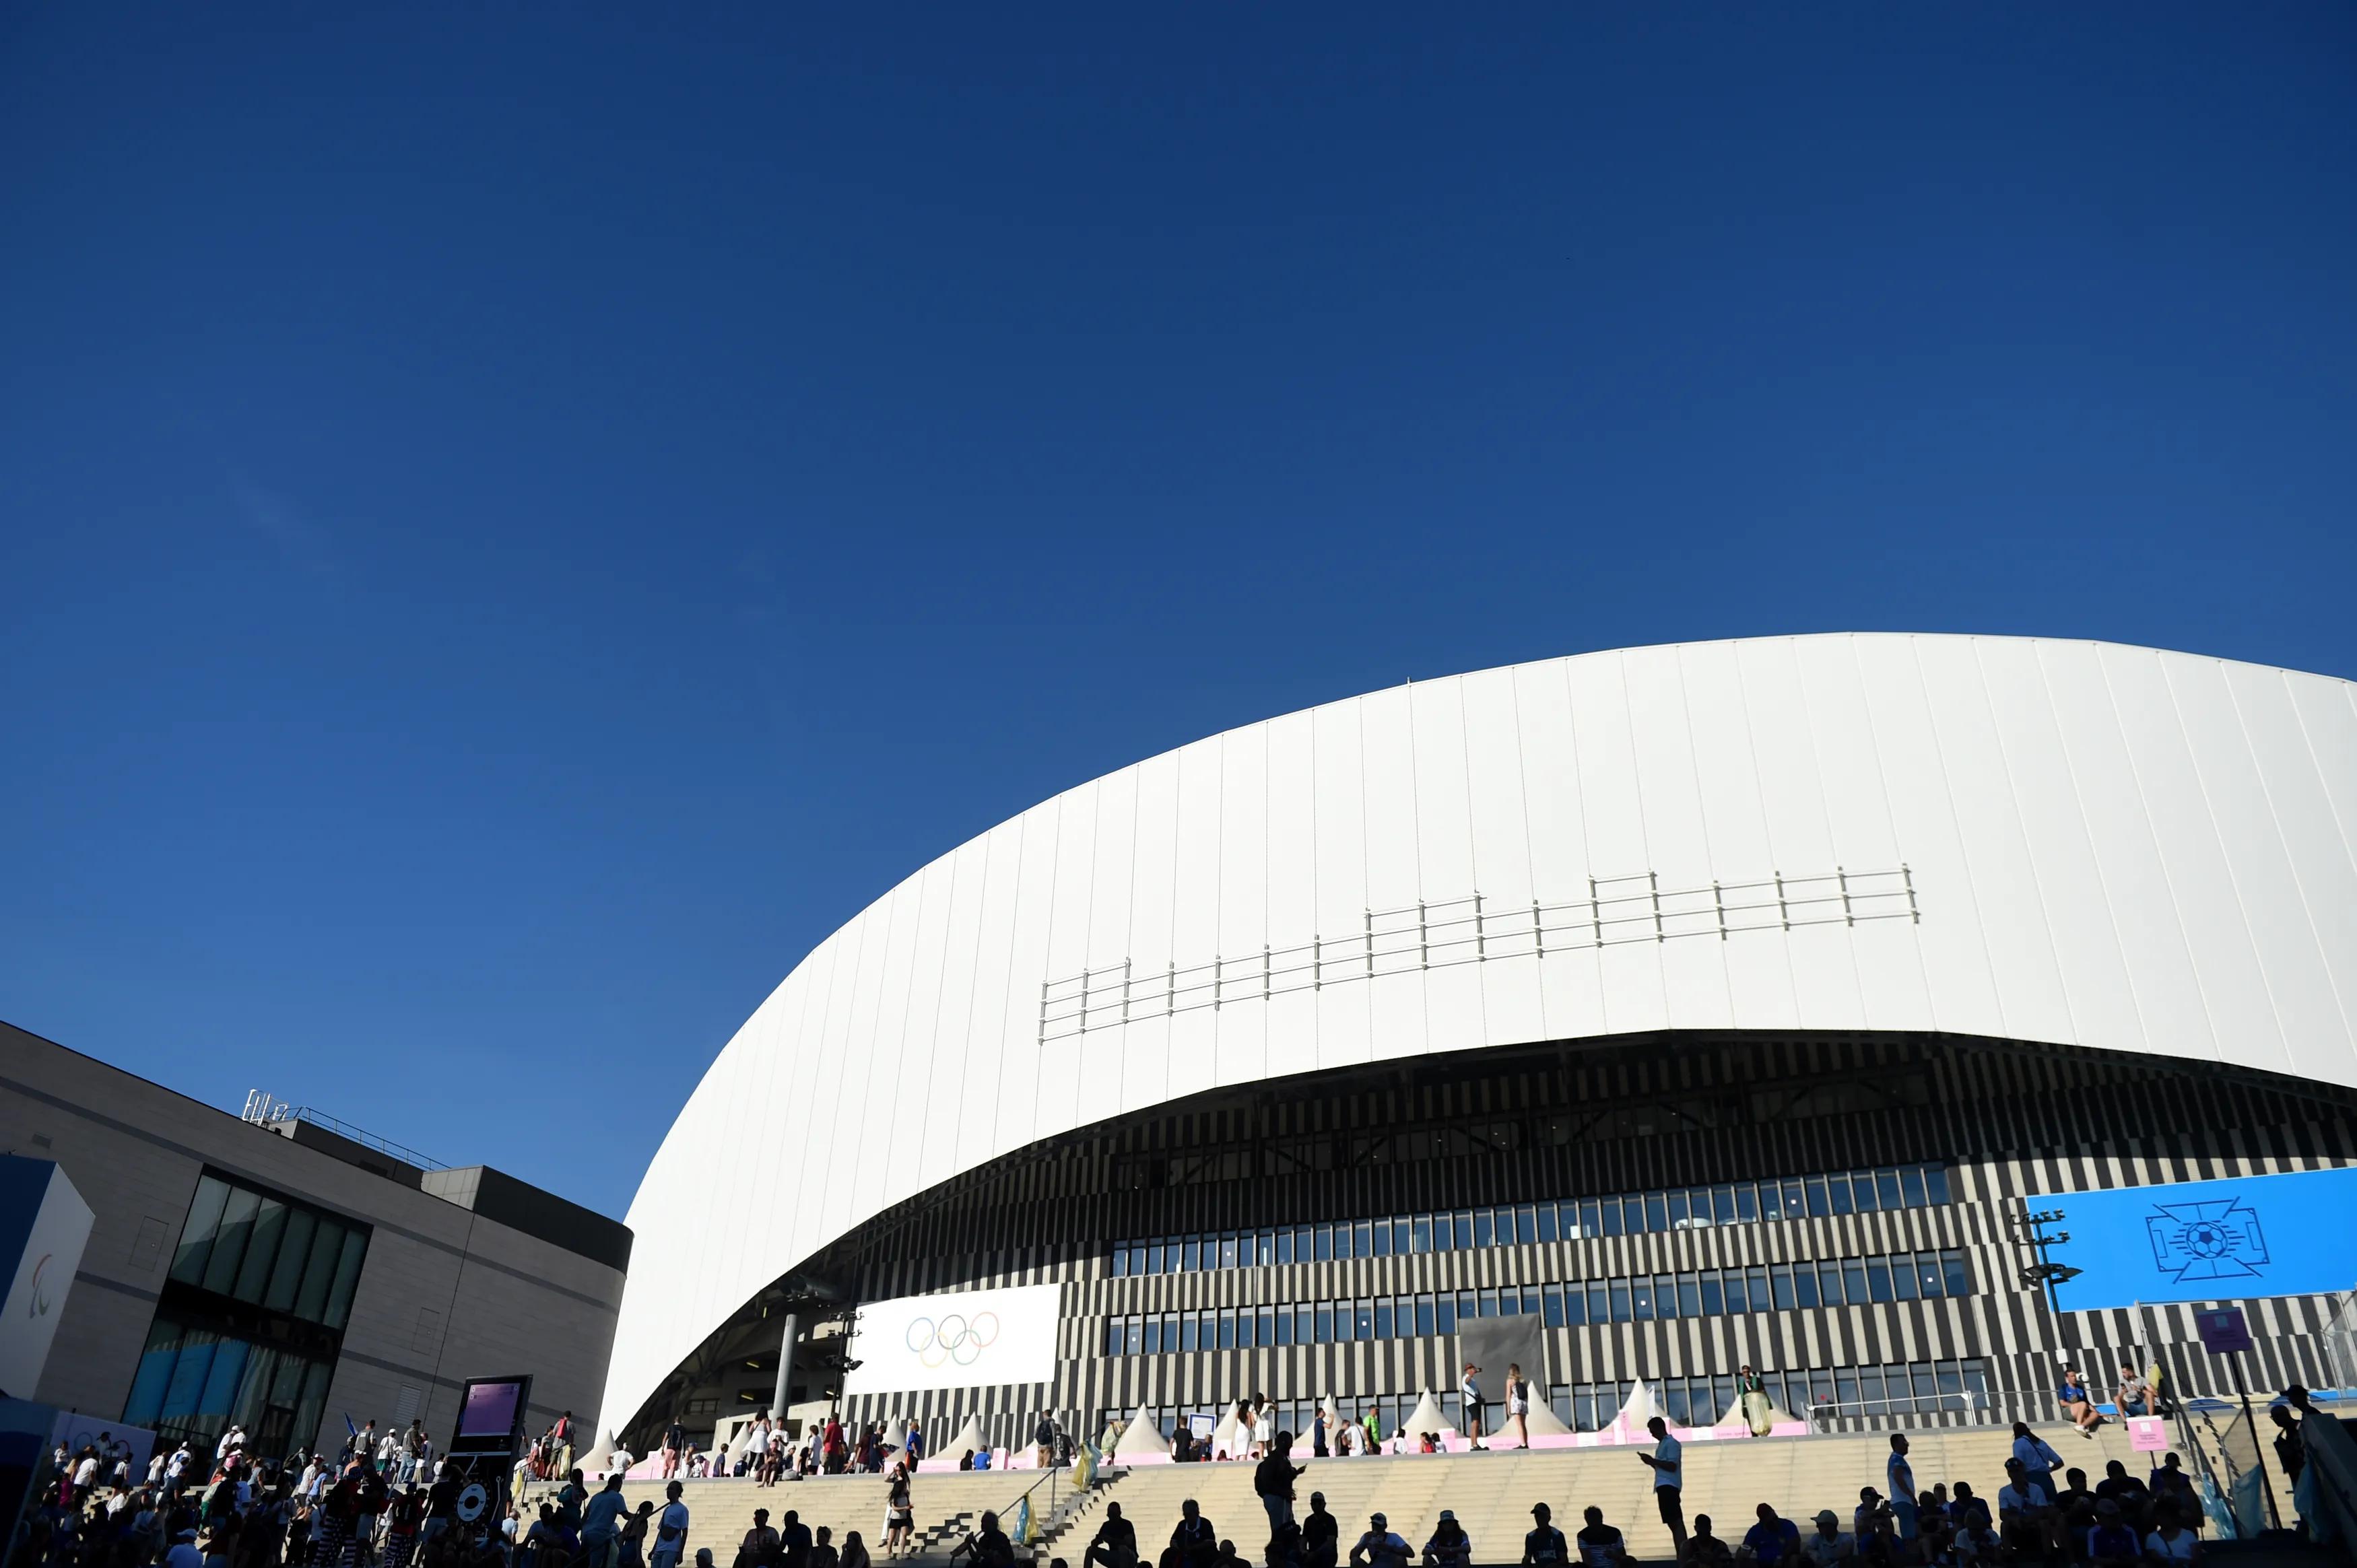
(1620, 1310)
(1886, 1188)
(1820, 1201)
(1829, 1283)
(1591, 1221)
(1267, 1249)
(287, 1273)
(1190, 1332)
(1426, 1325)
(1959, 1272)
(1362, 1318)
(1854, 1281)
(1464, 1229)
(1903, 1278)
(1600, 1303)
(1364, 1239)
(1267, 1333)
(1284, 1247)
(197, 1233)
(1574, 1304)
(319, 1270)
(1467, 1307)
(1665, 1296)
(1737, 1298)
(1228, 1251)
(1756, 1280)
(1384, 1326)
(1446, 1321)
(1120, 1260)
(1325, 1242)
(1935, 1183)
(1929, 1282)
(1113, 1335)
(1422, 1233)
(1325, 1322)
(1796, 1203)
(1772, 1200)
(1483, 1234)
(1488, 1301)
(1526, 1223)
(1878, 1279)
(1382, 1236)
(1153, 1257)
(1285, 1325)
(1804, 1285)
(1227, 1328)
(1530, 1301)
(1910, 1185)
(1927, 1384)
(1681, 1215)
(1194, 1258)
(1614, 1217)
(1713, 1300)
(253, 1274)
(1657, 1211)
(348, 1278)
(1305, 1243)
(1550, 1307)
(1546, 1216)
(1780, 1280)
(1845, 1200)
(1864, 1192)
(1724, 1208)
(1153, 1334)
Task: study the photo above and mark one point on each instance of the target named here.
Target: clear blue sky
(515, 524)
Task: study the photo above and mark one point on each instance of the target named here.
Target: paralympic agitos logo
(954, 1337)
(39, 1303)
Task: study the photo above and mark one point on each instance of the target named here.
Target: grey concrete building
(287, 1271)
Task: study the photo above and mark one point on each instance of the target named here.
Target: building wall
(2061, 843)
(445, 1295)
(2005, 1122)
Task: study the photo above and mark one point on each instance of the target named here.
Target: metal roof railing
(262, 1110)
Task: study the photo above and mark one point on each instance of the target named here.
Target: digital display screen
(968, 1340)
(2207, 1240)
(490, 1409)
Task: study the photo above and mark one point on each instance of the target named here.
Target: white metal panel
(2005, 878)
(1791, 790)
(2170, 1009)
(2208, 906)
(2269, 894)
(2109, 847)
(2078, 928)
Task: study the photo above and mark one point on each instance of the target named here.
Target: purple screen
(489, 1410)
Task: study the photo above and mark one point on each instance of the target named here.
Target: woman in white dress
(1518, 1404)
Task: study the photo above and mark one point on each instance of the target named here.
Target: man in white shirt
(1666, 1462)
(2025, 1511)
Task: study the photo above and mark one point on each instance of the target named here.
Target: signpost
(2226, 1332)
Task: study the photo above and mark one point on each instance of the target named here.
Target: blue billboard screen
(2208, 1240)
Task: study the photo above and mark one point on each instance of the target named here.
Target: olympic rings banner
(969, 1340)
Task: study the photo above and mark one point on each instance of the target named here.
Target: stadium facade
(1702, 1005)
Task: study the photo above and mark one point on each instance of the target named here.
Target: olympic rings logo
(953, 1338)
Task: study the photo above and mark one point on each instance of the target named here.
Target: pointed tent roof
(969, 1440)
(1426, 1417)
(1223, 1435)
(1543, 1421)
(1641, 1407)
(1140, 1436)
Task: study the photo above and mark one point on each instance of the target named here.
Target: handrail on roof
(262, 1110)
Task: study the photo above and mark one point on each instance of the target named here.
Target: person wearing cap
(1828, 1543)
(1871, 1507)
(1666, 1461)
(1379, 1547)
(1600, 1545)
(1449, 1547)
(1321, 1538)
(1544, 1546)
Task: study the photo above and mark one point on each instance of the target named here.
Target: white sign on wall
(43, 1225)
(969, 1341)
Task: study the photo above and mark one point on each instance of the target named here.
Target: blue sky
(516, 523)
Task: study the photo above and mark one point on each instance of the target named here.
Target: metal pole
(2259, 1444)
(785, 1370)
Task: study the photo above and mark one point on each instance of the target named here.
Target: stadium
(1698, 1006)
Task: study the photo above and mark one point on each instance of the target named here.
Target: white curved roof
(2061, 842)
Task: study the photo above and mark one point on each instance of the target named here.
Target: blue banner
(2208, 1240)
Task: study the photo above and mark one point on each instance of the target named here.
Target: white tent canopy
(1140, 1436)
(1543, 1421)
(1426, 1417)
(969, 1440)
(1641, 1407)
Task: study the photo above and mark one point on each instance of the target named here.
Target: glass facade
(250, 1320)
(1565, 1220)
